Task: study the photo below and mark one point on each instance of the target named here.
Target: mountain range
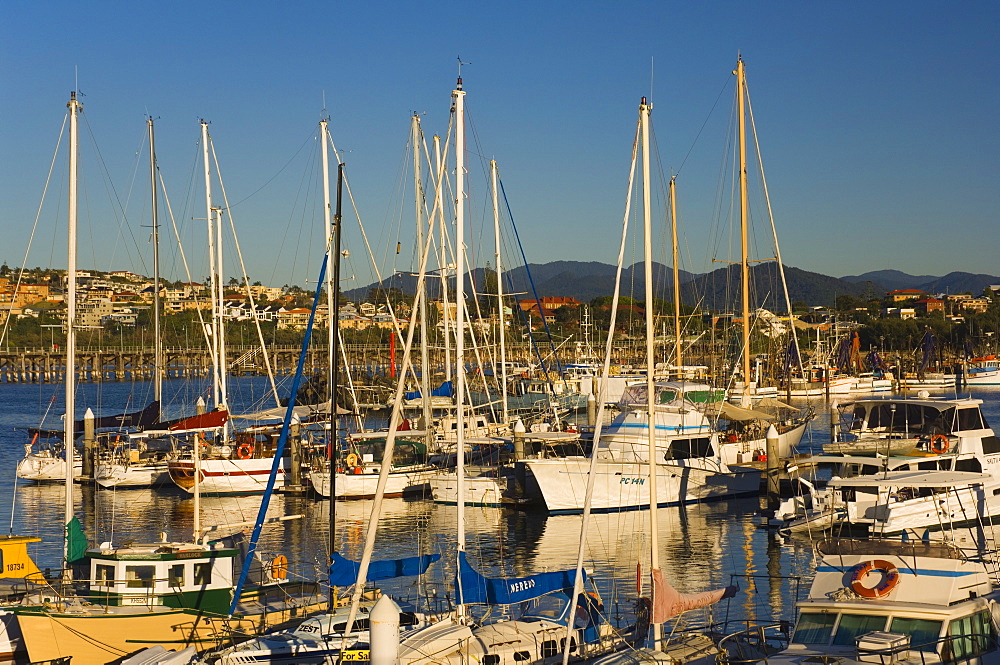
(716, 290)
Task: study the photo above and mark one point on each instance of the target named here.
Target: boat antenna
(652, 60)
(460, 63)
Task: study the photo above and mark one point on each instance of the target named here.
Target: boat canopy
(474, 588)
(446, 389)
(732, 412)
(671, 393)
(915, 479)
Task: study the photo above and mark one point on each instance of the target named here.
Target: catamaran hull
(226, 476)
(363, 485)
(620, 486)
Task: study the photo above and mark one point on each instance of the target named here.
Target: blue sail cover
(446, 389)
(344, 572)
(474, 588)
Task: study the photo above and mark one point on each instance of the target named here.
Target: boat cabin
(880, 601)
(176, 575)
(896, 418)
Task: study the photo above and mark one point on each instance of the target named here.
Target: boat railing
(755, 644)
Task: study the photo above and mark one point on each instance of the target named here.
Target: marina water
(703, 545)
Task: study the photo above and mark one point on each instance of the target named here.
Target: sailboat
(688, 464)
(229, 465)
(139, 461)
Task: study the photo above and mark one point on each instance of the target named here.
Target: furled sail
(344, 572)
(668, 602)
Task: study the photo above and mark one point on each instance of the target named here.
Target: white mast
(418, 205)
(744, 243)
(157, 343)
(458, 95)
(647, 227)
(443, 254)
(69, 436)
(500, 311)
(213, 277)
(677, 273)
(331, 294)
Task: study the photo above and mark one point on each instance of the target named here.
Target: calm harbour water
(701, 545)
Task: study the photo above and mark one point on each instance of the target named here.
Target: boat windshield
(923, 632)
(903, 418)
(551, 607)
(814, 628)
(852, 626)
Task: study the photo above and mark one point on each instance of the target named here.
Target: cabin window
(970, 636)
(667, 396)
(969, 419)
(968, 464)
(104, 575)
(927, 466)
(203, 573)
(490, 659)
(688, 448)
(550, 648)
(176, 575)
(923, 632)
(853, 625)
(360, 624)
(991, 444)
(705, 396)
(562, 645)
(521, 656)
(140, 577)
(814, 628)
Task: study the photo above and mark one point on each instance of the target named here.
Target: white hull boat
(44, 467)
(351, 485)
(227, 475)
(619, 486)
(124, 474)
(482, 490)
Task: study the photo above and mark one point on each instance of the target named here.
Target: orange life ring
(890, 578)
(939, 444)
(279, 567)
(244, 451)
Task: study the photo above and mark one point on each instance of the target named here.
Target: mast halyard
(69, 436)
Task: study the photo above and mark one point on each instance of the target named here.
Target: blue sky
(875, 121)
